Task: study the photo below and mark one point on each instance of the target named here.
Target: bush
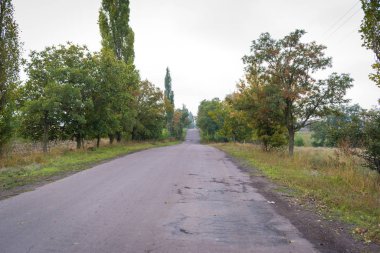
(299, 142)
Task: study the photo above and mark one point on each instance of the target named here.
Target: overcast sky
(203, 41)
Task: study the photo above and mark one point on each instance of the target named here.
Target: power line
(341, 18)
(345, 22)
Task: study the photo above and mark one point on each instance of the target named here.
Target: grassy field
(337, 184)
(21, 170)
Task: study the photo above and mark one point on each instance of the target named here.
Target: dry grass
(337, 183)
(21, 153)
(33, 167)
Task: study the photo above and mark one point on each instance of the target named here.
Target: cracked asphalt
(184, 198)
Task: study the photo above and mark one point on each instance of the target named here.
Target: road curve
(183, 198)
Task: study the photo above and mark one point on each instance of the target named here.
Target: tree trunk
(98, 140)
(118, 136)
(78, 139)
(45, 136)
(291, 140)
(134, 133)
(112, 138)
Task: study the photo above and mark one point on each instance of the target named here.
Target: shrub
(299, 142)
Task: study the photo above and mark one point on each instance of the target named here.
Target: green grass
(27, 171)
(338, 185)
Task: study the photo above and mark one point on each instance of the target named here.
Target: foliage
(210, 118)
(298, 141)
(370, 30)
(371, 153)
(9, 69)
(344, 126)
(113, 91)
(180, 122)
(262, 105)
(236, 124)
(150, 112)
(289, 64)
(56, 97)
(169, 102)
(116, 33)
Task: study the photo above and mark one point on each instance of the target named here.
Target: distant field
(338, 185)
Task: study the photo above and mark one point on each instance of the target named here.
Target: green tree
(371, 152)
(9, 69)
(102, 120)
(116, 33)
(210, 119)
(262, 103)
(290, 64)
(236, 124)
(343, 127)
(118, 37)
(370, 31)
(150, 112)
(169, 102)
(56, 99)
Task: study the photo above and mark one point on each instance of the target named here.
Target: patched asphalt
(184, 198)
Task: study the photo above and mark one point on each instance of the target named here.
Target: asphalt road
(183, 198)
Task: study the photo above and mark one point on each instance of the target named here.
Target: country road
(184, 198)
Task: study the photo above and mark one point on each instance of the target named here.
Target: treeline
(281, 95)
(74, 94)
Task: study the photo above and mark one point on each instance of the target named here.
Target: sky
(203, 41)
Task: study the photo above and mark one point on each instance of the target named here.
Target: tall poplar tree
(9, 68)
(115, 30)
(118, 37)
(169, 101)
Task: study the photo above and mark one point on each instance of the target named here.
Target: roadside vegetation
(333, 147)
(333, 183)
(36, 167)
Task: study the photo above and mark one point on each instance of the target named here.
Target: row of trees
(72, 93)
(280, 95)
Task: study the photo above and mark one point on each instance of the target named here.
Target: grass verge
(335, 184)
(37, 168)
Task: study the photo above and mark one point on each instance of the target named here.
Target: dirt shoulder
(328, 235)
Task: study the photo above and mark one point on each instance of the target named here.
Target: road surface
(184, 198)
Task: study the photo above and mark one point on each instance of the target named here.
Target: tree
(236, 124)
(261, 102)
(210, 119)
(370, 30)
(118, 37)
(344, 127)
(169, 102)
(56, 99)
(150, 112)
(371, 152)
(290, 64)
(9, 68)
(116, 33)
